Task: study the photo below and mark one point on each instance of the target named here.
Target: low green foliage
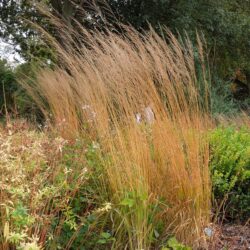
(230, 165)
(173, 244)
(52, 186)
(105, 238)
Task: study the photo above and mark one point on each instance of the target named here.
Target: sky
(8, 52)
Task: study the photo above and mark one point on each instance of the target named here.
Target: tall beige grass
(157, 173)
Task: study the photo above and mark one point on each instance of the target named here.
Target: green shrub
(222, 101)
(230, 165)
(51, 193)
(13, 97)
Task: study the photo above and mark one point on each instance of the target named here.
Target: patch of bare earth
(230, 237)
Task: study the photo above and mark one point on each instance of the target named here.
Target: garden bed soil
(230, 237)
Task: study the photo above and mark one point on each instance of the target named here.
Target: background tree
(225, 25)
(18, 19)
(8, 86)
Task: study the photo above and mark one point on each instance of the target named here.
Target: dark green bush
(230, 165)
(222, 101)
(14, 99)
(8, 86)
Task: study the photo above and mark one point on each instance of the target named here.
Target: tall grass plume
(156, 167)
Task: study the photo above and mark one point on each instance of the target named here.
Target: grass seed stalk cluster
(155, 174)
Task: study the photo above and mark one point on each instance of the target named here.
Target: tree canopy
(225, 23)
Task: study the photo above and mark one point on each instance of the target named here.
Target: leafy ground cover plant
(49, 194)
(230, 165)
(172, 243)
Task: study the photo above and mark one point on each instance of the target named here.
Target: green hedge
(230, 165)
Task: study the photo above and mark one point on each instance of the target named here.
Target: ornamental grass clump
(156, 170)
